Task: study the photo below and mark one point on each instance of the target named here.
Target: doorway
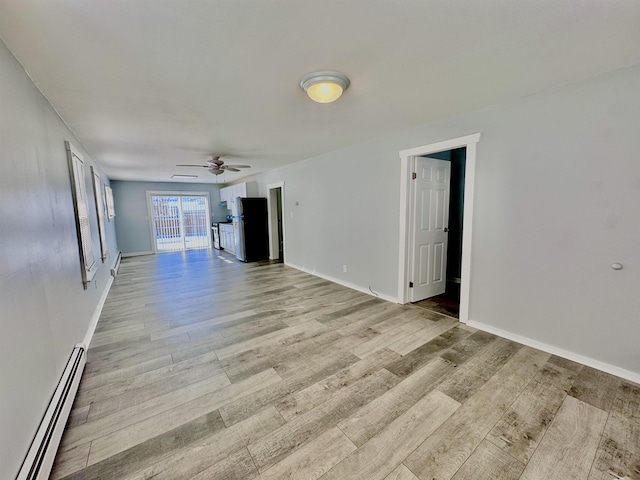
(178, 221)
(465, 146)
(437, 232)
(275, 208)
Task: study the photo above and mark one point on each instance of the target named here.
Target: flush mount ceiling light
(324, 87)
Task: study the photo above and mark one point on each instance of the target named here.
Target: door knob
(446, 229)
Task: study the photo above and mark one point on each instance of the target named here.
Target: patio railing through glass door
(180, 222)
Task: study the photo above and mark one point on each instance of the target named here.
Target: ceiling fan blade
(204, 166)
(231, 169)
(239, 166)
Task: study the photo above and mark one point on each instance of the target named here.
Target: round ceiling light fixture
(324, 87)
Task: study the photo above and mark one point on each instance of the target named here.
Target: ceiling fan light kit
(216, 166)
(325, 86)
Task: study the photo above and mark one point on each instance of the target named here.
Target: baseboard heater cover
(39, 460)
(116, 267)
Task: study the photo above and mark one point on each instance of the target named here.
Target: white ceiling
(147, 84)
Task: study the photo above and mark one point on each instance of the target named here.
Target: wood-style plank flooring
(447, 303)
(202, 368)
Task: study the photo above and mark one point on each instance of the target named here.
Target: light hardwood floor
(201, 368)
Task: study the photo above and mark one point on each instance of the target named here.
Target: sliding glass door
(179, 221)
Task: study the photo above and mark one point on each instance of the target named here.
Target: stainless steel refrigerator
(250, 229)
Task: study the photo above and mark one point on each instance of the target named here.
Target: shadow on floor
(447, 304)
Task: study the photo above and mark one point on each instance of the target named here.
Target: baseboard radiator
(39, 460)
(116, 267)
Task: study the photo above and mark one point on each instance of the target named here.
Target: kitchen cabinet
(225, 194)
(245, 189)
(227, 237)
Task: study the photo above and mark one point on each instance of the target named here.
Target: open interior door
(430, 232)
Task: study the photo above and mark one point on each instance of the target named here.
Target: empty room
(357, 239)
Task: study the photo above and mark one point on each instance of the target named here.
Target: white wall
(44, 310)
(556, 202)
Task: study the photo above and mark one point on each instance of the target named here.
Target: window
(108, 195)
(100, 210)
(80, 205)
(179, 221)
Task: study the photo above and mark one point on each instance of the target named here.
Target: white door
(431, 221)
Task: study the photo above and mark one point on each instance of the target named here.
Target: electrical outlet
(344, 268)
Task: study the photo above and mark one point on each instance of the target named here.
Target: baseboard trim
(96, 314)
(560, 352)
(116, 266)
(136, 254)
(352, 286)
(39, 459)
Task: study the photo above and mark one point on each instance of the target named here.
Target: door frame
(170, 193)
(272, 220)
(407, 163)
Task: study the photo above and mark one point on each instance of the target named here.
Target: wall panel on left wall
(44, 309)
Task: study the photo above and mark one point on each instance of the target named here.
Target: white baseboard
(590, 362)
(116, 266)
(96, 314)
(136, 254)
(353, 286)
(42, 452)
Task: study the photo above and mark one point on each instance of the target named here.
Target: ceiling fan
(217, 166)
